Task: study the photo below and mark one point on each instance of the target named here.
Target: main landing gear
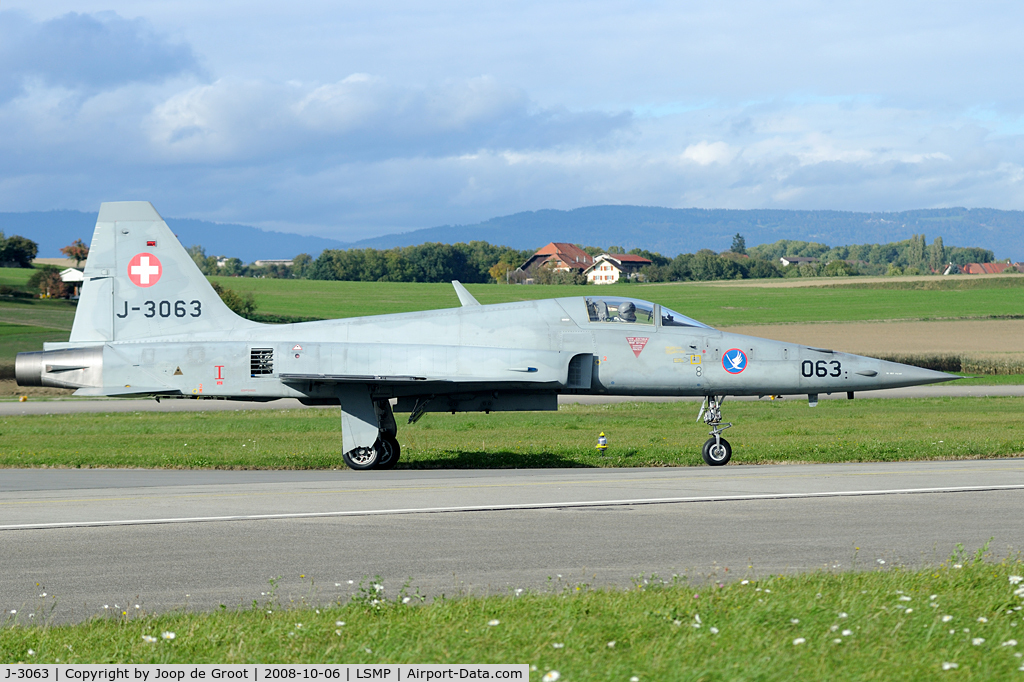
(383, 455)
(368, 430)
(717, 451)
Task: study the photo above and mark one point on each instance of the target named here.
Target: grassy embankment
(640, 434)
(961, 618)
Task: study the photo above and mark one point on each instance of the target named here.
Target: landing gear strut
(717, 451)
(368, 429)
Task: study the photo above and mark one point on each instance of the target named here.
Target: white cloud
(704, 153)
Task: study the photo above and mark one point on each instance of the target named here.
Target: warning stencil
(637, 343)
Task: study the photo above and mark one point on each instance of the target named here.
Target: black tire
(716, 455)
(361, 459)
(388, 452)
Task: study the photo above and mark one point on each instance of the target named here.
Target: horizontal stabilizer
(100, 392)
(350, 378)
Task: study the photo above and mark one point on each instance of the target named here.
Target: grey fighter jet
(149, 324)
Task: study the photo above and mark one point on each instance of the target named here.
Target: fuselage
(549, 346)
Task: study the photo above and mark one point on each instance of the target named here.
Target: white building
(609, 268)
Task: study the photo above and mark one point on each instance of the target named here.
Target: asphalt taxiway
(197, 539)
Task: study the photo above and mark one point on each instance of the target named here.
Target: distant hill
(671, 231)
(55, 229)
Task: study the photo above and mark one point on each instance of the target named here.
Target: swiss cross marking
(144, 270)
(637, 343)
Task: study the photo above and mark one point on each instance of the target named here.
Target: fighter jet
(149, 324)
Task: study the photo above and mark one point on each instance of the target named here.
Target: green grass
(52, 314)
(710, 303)
(890, 623)
(992, 380)
(15, 277)
(640, 434)
(17, 338)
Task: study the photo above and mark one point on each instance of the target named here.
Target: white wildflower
(909, 611)
(339, 623)
(148, 640)
(982, 619)
(837, 641)
(744, 582)
(844, 614)
(714, 631)
(167, 635)
(978, 641)
(794, 621)
(558, 645)
(494, 622)
(798, 640)
(847, 633)
(946, 619)
(950, 666)
(905, 598)
(406, 600)
(31, 652)
(1010, 642)
(611, 645)
(551, 676)
(958, 565)
(1014, 579)
(833, 628)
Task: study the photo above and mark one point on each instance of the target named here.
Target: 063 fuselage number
(166, 309)
(809, 368)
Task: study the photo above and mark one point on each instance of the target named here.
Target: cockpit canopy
(634, 311)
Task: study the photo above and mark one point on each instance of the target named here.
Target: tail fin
(140, 282)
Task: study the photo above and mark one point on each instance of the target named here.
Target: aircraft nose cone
(895, 374)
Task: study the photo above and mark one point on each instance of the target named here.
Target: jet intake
(71, 368)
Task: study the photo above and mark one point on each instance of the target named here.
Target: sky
(352, 119)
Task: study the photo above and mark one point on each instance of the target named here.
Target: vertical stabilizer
(140, 282)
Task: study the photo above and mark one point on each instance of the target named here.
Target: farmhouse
(561, 257)
(609, 268)
(989, 268)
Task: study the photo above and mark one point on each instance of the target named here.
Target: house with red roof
(561, 257)
(609, 268)
(988, 268)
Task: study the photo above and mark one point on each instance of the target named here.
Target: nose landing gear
(717, 451)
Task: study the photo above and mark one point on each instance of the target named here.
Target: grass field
(15, 277)
(711, 304)
(961, 618)
(639, 434)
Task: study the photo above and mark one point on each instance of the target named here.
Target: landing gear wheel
(388, 451)
(361, 459)
(717, 454)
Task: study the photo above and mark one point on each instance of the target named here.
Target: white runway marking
(510, 507)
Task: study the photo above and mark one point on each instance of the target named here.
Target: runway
(197, 539)
(74, 405)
